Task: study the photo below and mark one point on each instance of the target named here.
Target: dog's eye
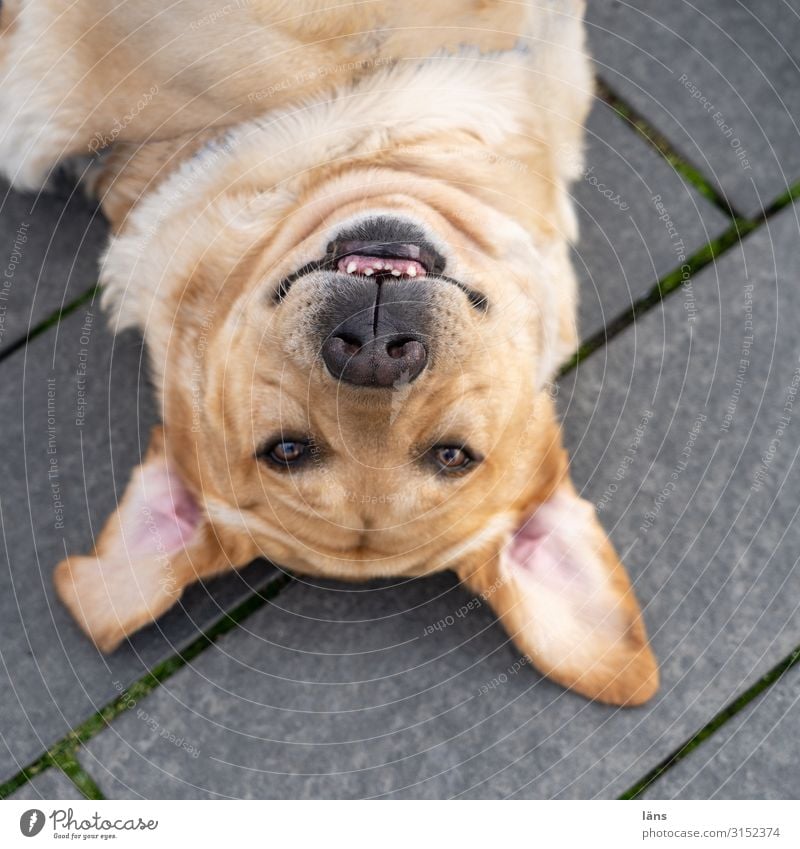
(286, 452)
(452, 458)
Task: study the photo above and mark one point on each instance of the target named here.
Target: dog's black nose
(383, 362)
(375, 333)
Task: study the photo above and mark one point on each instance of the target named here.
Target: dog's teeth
(395, 272)
(368, 272)
(378, 265)
(411, 271)
(351, 267)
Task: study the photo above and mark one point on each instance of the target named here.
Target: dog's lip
(421, 256)
(425, 261)
(476, 299)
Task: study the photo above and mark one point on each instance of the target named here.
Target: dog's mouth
(382, 248)
(392, 259)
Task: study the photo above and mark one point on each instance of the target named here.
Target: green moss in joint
(687, 171)
(737, 705)
(63, 752)
(70, 766)
(50, 321)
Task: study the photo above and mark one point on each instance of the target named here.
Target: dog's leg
(155, 544)
(76, 78)
(30, 134)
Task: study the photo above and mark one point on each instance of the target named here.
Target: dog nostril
(349, 344)
(405, 349)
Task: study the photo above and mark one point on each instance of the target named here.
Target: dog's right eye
(285, 452)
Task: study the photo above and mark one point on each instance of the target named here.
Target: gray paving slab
(76, 411)
(719, 79)
(684, 433)
(50, 784)
(49, 248)
(753, 756)
(638, 220)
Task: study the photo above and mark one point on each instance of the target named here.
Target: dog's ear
(155, 544)
(566, 601)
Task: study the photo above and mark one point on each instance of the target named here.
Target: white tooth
(368, 272)
(411, 271)
(351, 267)
(395, 272)
(378, 265)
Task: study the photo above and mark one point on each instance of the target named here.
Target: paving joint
(675, 279)
(63, 753)
(721, 718)
(50, 321)
(72, 769)
(663, 146)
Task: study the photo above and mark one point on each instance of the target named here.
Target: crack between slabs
(728, 712)
(63, 753)
(674, 280)
(664, 148)
(74, 771)
(49, 321)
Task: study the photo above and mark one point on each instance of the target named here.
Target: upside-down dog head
(366, 395)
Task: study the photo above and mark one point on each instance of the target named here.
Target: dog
(343, 230)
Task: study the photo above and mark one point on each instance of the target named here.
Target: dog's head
(370, 399)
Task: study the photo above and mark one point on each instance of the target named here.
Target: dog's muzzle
(377, 287)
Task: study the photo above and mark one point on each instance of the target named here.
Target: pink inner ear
(162, 515)
(547, 547)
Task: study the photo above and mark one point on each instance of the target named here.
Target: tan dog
(343, 231)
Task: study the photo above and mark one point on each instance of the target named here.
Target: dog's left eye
(452, 458)
(286, 452)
